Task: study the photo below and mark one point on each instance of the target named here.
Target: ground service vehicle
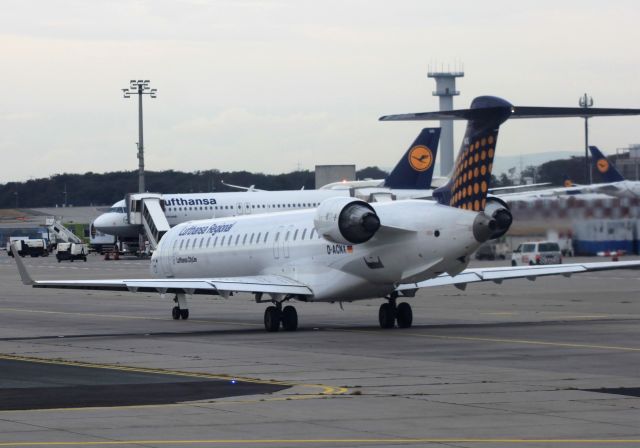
(72, 251)
(537, 252)
(33, 247)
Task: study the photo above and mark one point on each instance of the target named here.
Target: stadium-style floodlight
(140, 87)
(586, 102)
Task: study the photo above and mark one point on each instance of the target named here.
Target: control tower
(446, 90)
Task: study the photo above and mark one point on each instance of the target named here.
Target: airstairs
(147, 210)
(62, 234)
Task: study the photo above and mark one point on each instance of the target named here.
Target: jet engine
(346, 221)
(498, 211)
(493, 222)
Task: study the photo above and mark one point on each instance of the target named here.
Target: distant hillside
(92, 189)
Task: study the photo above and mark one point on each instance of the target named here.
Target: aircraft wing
(269, 284)
(498, 274)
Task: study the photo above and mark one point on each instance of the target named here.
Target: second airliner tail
(606, 169)
(415, 168)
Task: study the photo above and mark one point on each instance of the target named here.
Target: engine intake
(346, 221)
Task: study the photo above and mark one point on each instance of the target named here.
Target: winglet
(22, 269)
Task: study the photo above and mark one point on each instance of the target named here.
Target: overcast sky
(273, 86)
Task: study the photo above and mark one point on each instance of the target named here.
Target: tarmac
(554, 362)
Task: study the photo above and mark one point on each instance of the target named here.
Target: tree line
(106, 188)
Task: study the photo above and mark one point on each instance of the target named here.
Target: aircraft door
(288, 234)
(277, 242)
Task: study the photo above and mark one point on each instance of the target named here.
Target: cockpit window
(117, 210)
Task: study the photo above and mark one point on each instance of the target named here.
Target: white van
(536, 252)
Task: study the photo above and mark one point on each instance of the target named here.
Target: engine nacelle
(345, 220)
(498, 211)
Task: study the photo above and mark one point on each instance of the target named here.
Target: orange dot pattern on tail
(472, 173)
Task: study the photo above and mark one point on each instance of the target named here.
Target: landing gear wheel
(184, 314)
(404, 315)
(289, 318)
(386, 315)
(175, 313)
(272, 318)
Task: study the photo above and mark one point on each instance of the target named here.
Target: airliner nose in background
(114, 222)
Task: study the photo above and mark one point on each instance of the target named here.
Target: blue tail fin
(469, 183)
(608, 172)
(415, 168)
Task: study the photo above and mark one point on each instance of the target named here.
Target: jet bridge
(147, 210)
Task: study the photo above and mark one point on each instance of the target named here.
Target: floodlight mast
(140, 87)
(586, 102)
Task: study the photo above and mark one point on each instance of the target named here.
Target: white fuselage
(417, 240)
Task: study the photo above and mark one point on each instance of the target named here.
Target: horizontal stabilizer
(516, 112)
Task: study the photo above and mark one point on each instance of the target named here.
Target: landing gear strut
(180, 311)
(275, 315)
(390, 313)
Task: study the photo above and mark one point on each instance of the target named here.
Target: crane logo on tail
(420, 158)
(603, 165)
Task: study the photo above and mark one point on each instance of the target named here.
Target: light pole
(586, 102)
(140, 87)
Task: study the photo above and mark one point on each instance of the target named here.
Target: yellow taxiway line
(328, 441)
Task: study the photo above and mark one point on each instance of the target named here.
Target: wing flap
(497, 274)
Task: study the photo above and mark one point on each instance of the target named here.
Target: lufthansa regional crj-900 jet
(348, 249)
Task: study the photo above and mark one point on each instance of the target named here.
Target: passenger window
(181, 244)
(251, 240)
(215, 241)
(201, 243)
(304, 233)
(286, 236)
(175, 243)
(258, 238)
(187, 245)
(312, 232)
(222, 240)
(295, 235)
(230, 239)
(266, 235)
(277, 236)
(244, 239)
(208, 241)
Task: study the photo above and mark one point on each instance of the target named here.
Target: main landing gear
(275, 315)
(180, 311)
(390, 313)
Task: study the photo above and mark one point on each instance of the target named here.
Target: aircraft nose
(104, 222)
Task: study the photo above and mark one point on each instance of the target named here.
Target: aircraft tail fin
(415, 168)
(606, 169)
(468, 184)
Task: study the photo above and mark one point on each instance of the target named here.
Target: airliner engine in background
(156, 213)
(348, 249)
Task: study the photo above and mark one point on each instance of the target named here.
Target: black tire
(386, 316)
(272, 319)
(289, 318)
(184, 314)
(513, 263)
(175, 313)
(404, 315)
(85, 259)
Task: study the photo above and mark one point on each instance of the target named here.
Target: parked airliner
(410, 178)
(348, 249)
